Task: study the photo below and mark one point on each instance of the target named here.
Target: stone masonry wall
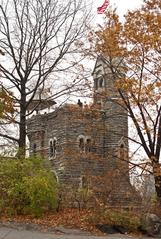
(89, 142)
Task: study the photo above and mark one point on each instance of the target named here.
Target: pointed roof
(115, 61)
(99, 58)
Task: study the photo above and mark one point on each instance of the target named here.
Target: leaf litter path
(66, 224)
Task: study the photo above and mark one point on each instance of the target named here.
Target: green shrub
(126, 219)
(27, 186)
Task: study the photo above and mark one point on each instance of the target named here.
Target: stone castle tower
(88, 145)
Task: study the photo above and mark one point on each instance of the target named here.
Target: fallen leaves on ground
(67, 218)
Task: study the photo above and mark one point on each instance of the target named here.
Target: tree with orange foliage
(6, 106)
(6, 110)
(136, 44)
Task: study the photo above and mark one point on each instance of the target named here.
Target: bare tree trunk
(157, 178)
(158, 187)
(22, 130)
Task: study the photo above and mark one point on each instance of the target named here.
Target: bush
(126, 219)
(27, 187)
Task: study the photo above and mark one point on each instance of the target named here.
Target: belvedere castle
(88, 145)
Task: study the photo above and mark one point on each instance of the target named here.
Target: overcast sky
(121, 5)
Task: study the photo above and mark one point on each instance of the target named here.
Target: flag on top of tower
(102, 9)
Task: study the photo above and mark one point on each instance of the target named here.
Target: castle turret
(108, 100)
(114, 133)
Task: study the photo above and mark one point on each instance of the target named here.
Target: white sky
(122, 5)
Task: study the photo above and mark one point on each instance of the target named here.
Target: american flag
(102, 9)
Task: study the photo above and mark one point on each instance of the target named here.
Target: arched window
(52, 148)
(81, 144)
(96, 84)
(84, 143)
(101, 82)
(88, 145)
(122, 151)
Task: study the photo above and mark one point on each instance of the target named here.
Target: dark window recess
(122, 151)
(101, 82)
(54, 147)
(42, 143)
(34, 148)
(96, 84)
(88, 145)
(81, 144)
(51, 149)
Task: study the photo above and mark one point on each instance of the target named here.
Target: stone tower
(114, 116)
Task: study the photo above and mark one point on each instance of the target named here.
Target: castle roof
(40, 104)
(42, 100)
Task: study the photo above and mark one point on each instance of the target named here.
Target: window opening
(54, 148)
(51, 148)
(34, 148)
(122, 151)
(88, 145)
(96, 84)
(42, 143)
(81, 144)
(101, 82)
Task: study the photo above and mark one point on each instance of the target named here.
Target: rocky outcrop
(152, 225)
